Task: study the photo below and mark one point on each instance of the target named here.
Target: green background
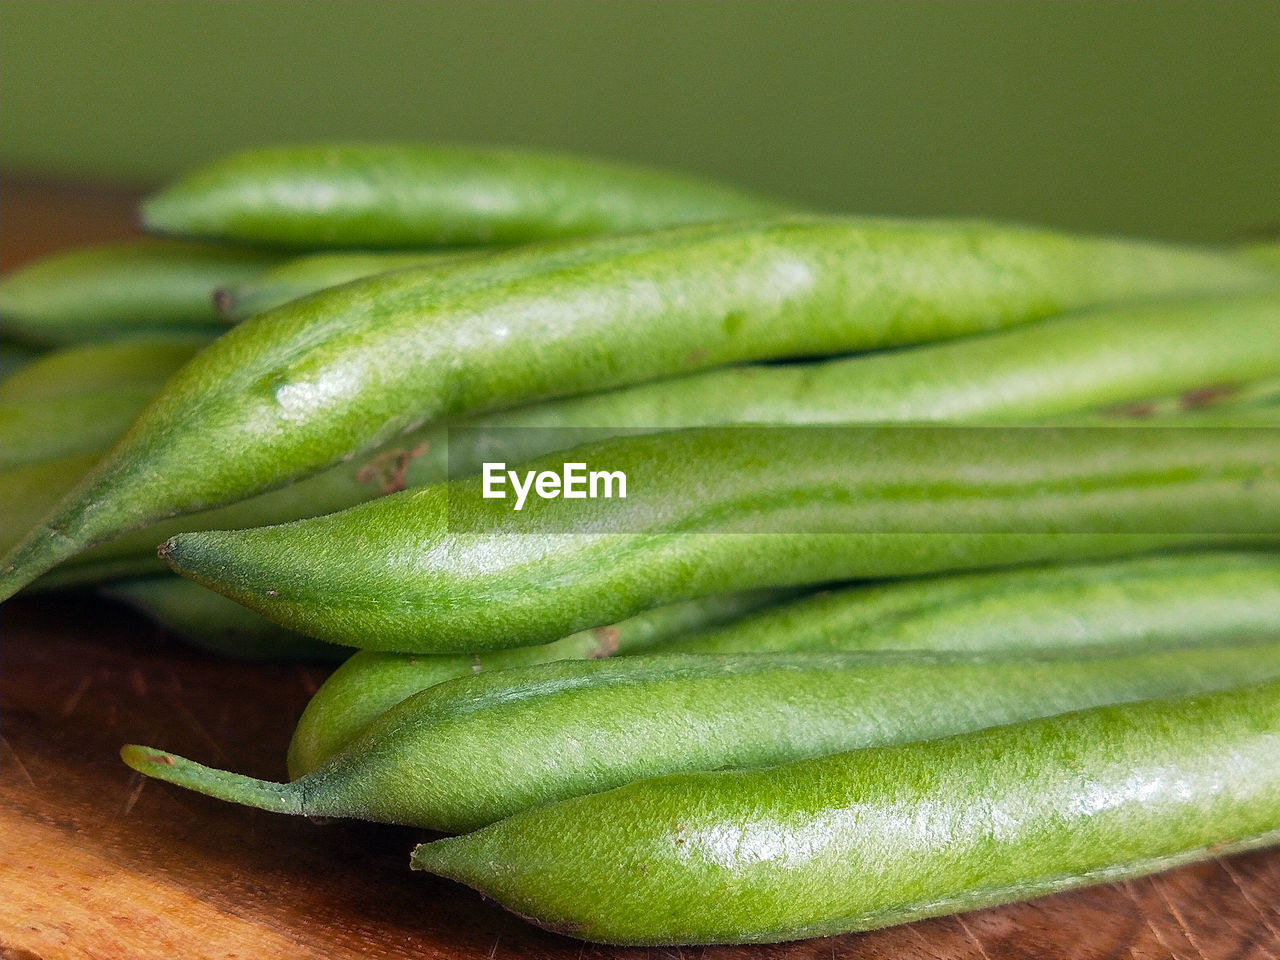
(1160, 118)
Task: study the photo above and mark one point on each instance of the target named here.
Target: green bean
(476, 749)
(440, 569)
(1206, 351)
(310, 274)
(1121, 605)
(49, 428)
(1064, 363)
(117, 364)
(332, 375)
(1155, 601)
(371, 683)
(213, 623)
(881, 836)
(117, 288)
(411, 195)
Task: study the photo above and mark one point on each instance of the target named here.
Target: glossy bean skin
(473, 750)
(1121, 606)
(877, 837)
(338, 373)
(301, 276)
(121, 288)
(408, 195)
(439, 569)
(1207, 350)
(1140, 602)
(213, 623)
(1200, 352)
(370, 683)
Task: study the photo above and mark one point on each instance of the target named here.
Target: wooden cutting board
(96, 862)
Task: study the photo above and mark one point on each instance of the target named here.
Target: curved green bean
(476, 749)
(441, 569)
(338, 373)
(370, 683)
(415, 195)
(886, 835)
(301, 276)
(121, 288)
(92, 367)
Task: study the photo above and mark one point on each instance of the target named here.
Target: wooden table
(96, 862)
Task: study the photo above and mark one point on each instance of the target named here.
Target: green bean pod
(370, 683)
(1207, 350)
(213, 623)
(881, 836)
(1149, 602)
(338, 373)
(301, 276)
(49, 428)
(1128, 605)
(1201, 352)
(122, 288)
(94, 367)
(476, 749)
(442, 569)
(415, 195)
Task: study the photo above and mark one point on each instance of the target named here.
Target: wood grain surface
(96, 862)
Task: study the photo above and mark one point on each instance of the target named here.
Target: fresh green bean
(476, 749)
(371, 683)
(1154, 601)
(211, 622)
(117, 288)
(52, 427)
(441, 569)
(1206, 351)
(341, 372)
(114, 365)
(1121, 605)
(310, 274)
(881, 836)
(412, 195)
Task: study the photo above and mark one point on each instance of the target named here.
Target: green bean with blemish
(370, 683)
(122, 288)
(318, 271)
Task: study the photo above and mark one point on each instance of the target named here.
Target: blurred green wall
(1155, 117)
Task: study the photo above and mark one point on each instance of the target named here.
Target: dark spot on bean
(163, 758)
(733, 323)
(1206, 396)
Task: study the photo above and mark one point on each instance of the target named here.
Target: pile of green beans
(885, 548)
